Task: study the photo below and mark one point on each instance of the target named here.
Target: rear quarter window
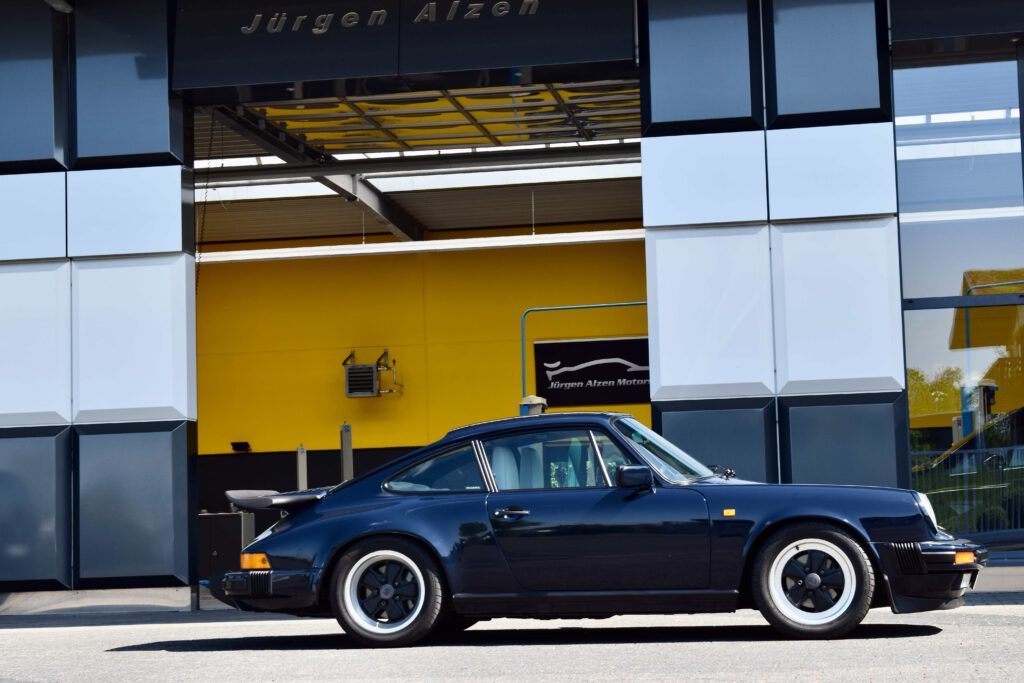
(450, 472)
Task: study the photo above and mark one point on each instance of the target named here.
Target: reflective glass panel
(826, 55)
(965, 383)
(961, 199)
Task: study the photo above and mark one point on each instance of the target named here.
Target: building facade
(831, 212)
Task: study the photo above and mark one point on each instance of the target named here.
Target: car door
(562, 526)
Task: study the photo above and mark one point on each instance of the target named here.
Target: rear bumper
(268, 590)
(924, 576)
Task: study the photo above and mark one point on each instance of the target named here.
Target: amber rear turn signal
(964, 557)
(255, 561)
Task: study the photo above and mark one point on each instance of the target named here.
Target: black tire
(387, 592)
(812, 581)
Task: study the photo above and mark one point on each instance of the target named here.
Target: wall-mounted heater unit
(362, 380)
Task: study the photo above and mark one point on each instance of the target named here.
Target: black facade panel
(459, 36)
(35, 490)
(241, 42)
(844, 439)
(917, 19)
(134, 499)
(826, 62)
(124, 113)
(34, 83)
(736, 433)
(701, 66)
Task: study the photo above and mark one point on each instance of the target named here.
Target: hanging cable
(533, 213)
(206, 191)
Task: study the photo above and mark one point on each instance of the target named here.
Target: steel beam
(536, 158)
(317, 165)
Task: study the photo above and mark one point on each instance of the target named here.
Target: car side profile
(588, 515)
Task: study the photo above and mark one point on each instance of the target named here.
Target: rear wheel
(386, 592)
(813, 581)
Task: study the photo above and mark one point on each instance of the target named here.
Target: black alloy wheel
(813, 581)
(387, 592)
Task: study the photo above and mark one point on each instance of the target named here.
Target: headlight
(927, 509)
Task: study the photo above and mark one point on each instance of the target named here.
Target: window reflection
(965, 382)
(961, 197)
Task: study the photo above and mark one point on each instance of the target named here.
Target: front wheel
(813, 581)
(386, 592)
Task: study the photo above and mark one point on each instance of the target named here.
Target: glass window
(670, 460)
(826, 56)
(456, 470)
(545, 460)
(611, 454)
(965, 385)
(961, 199)
(699, 60)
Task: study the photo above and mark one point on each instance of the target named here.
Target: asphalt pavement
(979, 641)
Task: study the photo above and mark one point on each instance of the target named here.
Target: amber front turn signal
(255, 561)
(964, 557)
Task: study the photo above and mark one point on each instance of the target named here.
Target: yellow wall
(272, 337)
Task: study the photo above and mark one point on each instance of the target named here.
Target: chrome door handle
(512, 512)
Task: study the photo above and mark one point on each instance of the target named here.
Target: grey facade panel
(34, 83)
(844, 439)
(736, 433)
(826, 62)
(125, 114)
(134, 504)
(702, 70)
(35, 538)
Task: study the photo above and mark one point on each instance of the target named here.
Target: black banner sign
(251, 42)
(593, 372)
(241, 42)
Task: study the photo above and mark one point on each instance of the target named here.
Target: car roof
(539, 421)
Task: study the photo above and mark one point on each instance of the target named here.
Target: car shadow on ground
(519, 637)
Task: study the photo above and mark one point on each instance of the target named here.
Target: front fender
(870, 515)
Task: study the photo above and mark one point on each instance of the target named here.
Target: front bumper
(267, 590)
(923, 576)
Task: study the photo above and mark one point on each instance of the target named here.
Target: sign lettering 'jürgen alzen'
(457, 10)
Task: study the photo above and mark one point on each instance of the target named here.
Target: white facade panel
(35, 343)
(704, 179)
(831, 171)
(33, 225)
(838, 317)
(134, 339)
(710, 312)
(125, 211)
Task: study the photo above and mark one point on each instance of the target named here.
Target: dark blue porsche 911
(588, 515)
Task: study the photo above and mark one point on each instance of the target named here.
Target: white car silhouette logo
(554, 369)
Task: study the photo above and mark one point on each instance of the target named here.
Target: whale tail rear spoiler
(272, 500)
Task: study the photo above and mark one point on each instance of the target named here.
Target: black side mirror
(634, 477)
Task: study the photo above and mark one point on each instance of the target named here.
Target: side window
(452, 471)
(560, 459)
(611, 454)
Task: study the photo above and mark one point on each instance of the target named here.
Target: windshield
(670, 461)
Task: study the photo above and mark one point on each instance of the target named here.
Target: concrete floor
(979, 641)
